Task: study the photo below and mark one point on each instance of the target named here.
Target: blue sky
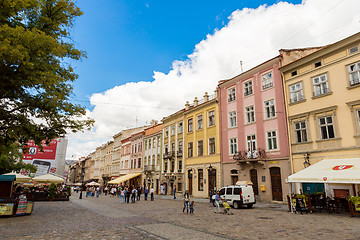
(126, 41)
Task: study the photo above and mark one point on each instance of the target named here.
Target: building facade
(322, 93)
(254, 137)
(202, 142)
(136, 157)
(152, 157)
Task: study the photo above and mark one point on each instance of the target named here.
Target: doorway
(212, 181)
(276, 187)
(254, 180)
(190, 182)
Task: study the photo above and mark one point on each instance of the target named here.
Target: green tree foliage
(35, 74)
(9, 160)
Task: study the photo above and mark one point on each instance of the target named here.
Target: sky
(145, 59)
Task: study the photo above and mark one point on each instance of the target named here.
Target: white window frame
(270, 111)
(251, 146)
(267, 80)
(296, 92)
(231, 94)
(321, 85)
(190, 127)
(248, 88)
(300, 129)
(172, 130)
(250, 114)
(354, 73)
(200, 122)
(271, 139)
(212, 116)
(180, 127)
(232, 119)
(326, 125)
(358, 117)
(233, 146)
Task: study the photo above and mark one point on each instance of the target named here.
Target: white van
(238, 195)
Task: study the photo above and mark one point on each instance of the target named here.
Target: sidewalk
(259, 205)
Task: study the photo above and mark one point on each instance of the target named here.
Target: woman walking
(186, 200)
(217, 199)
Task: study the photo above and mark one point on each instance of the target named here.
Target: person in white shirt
(152, 194)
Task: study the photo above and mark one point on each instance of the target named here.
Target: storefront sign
(342, 167)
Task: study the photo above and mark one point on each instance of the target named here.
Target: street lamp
(82, 184)
(306, 160)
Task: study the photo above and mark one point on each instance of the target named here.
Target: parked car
(238, 195)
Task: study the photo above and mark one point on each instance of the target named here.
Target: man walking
(174, 192)
(146, 191)
(152, 194)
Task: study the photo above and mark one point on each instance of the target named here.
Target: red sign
(48, 153)
(325, 178)
(342, 167)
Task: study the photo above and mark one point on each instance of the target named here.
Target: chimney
(206, 97)
(196, 101)
(187, 105)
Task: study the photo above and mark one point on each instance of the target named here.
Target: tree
(36, 78)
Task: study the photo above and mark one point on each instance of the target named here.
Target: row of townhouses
(263, 125)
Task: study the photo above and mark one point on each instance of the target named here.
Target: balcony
(169, 155)
(179, 153)
(149, 168)
(250, 156)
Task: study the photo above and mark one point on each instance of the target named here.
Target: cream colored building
(322, 92)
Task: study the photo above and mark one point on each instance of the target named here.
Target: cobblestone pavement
(106, 218)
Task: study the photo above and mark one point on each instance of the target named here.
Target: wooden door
(276, 184)
(254, 180)
(190, 181)
(212, 180)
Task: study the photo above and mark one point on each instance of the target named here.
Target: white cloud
(251, 36)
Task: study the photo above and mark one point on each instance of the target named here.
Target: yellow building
(202, 142)
(322, 93)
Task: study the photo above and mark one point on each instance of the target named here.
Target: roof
(345, 170)
(7, 178)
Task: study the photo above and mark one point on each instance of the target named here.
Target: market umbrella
(19, 177)
(49, 178)
(92, 184)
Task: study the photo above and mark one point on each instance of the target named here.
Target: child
(226, 208)
(192, 207)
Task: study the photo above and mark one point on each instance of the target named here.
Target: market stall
(329, 183)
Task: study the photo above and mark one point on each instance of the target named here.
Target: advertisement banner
(45, 160)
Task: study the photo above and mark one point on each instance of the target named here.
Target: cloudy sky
(145, 60)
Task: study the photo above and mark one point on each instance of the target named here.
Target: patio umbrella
(49, 178)
(19, 177)
(92, 184)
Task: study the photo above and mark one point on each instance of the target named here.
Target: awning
(124, 178)
(345, 170)
(49, 178)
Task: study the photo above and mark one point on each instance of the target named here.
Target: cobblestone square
(106, 218)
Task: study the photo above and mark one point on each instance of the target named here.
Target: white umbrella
(92, 184)
(49, 178)
(19, 177)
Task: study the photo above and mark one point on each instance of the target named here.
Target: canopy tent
(19, 177)
(124, 178)
(92, 184)
(49, 178)
(345, 170)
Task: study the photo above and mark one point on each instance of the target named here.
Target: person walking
(186, 200)
(133, 195)
(139, 190)
(217, 200)
(152, 193)
(174, 192)
(97, 192)
(122, 195)
(128, 193)
(146, 191)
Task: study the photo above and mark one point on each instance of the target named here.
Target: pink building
(253, 130)
(136, 157)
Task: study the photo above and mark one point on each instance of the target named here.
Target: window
(353, 50)
(135, 148)
(180, 146)
(317, 64)
(248, 88)
(222, 191)
(172, 147)
(237, 191)
(354, 72)
(149, 144)
(231, 94)
(211, 116)
(166, 132)
(154, 143)
(212, 145)
(145, 142)
(131, 166)
(200, 148)
(296, 92)
(201, 180)
(232, 119)
(271, 140)
(270, 109)
(180, 127)
(166, 166)
(267, 81)
(173, 130)
(320, 85)
(358, 117)
(327, 127)
(233, 145)
(180, 165)
(250, 114)
(199, 122)
(190, 125)
(166, 149)
(139, 163)
(294, 73)
(190, 149)
(300, 132)
(251, 143)
(229, 191)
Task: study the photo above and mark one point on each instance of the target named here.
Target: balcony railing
(179, 153)
(169, 155)
(149, 168)
(243, 156)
